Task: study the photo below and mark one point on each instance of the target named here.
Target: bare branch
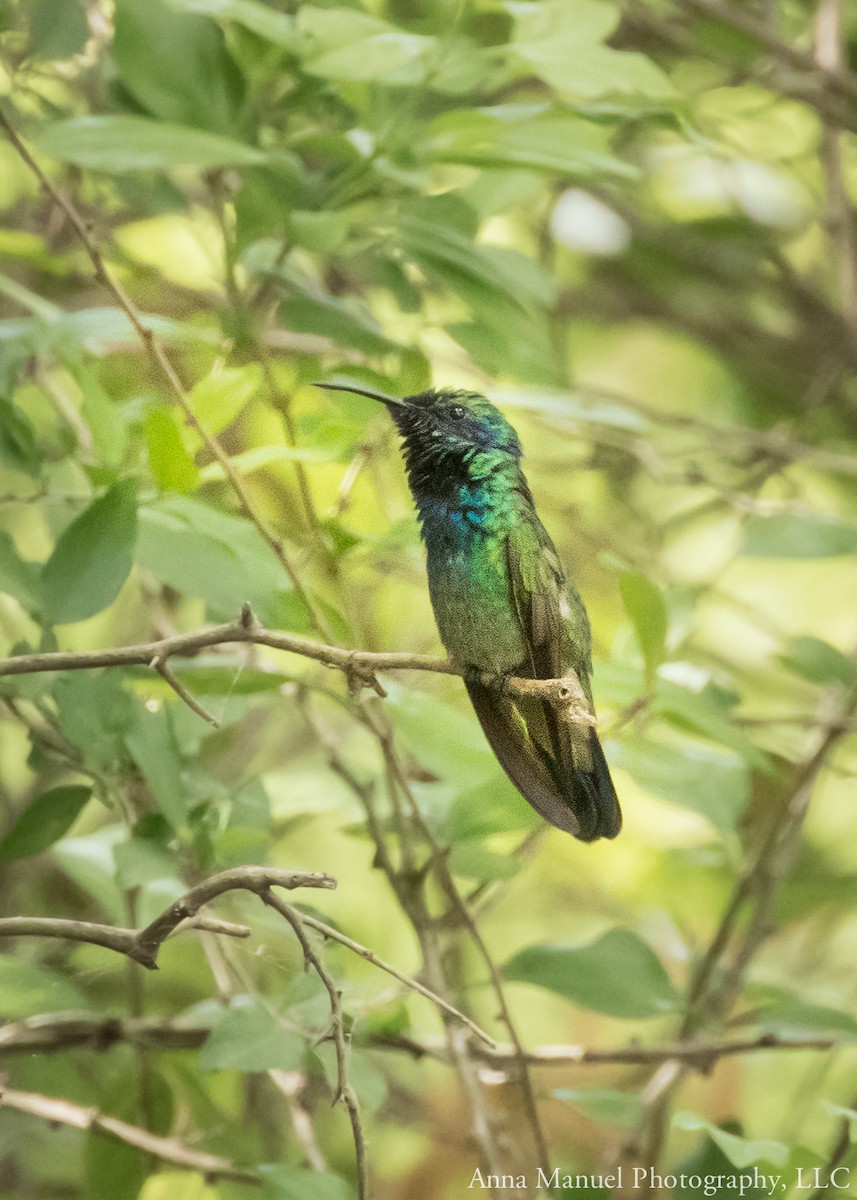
(171, 1150)
(143, 945)
(329, 932)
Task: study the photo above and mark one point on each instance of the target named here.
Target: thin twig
(171, 1150)
(441, 867)
(345, 1093)
(160, 665)
(329, 932)
(408, 891)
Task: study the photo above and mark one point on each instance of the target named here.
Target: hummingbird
(501, 601)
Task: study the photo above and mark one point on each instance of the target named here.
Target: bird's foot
(495, 680)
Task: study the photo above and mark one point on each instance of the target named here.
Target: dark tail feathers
(581, 802)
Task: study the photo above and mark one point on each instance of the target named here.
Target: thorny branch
(344, 1091)
(143, 945)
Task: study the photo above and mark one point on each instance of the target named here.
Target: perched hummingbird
(501, 600)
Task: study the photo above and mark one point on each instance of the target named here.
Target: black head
(447, 428)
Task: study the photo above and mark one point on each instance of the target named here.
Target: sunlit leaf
(346, 44)
(551, 35)
(171, 465)
(276, 27)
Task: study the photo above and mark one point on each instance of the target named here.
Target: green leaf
(276, 27)
(88, 861)
(619, 974)
(605, 1105)
(44, 822)
(249, 1038)
(471, 860)
(741, 1152)
(451, 254)
(645, 605)
(27, 989)
(798, 535)
(143, 860)
(493, 807)
(344, 44)
(173, 468)
(94, 713)
(518, 136)
(707, 779)
(264, 456)
(818, 662)
(445, 739)
(126, 143)
(176, 65)
(789, 1016)
(222, 559)
(104, 419)
(151, 743)
(341, 321)
(18, 577)
(709, 713)
(217, 399)
(297, 1183)
(58, 28)
(93, 557)
(18, 447)
(550, 35)
(93, 329)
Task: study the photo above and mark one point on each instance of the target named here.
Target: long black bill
(362, 391)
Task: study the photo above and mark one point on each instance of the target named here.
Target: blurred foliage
(630, 224)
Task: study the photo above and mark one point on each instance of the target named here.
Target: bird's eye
(457, 411)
